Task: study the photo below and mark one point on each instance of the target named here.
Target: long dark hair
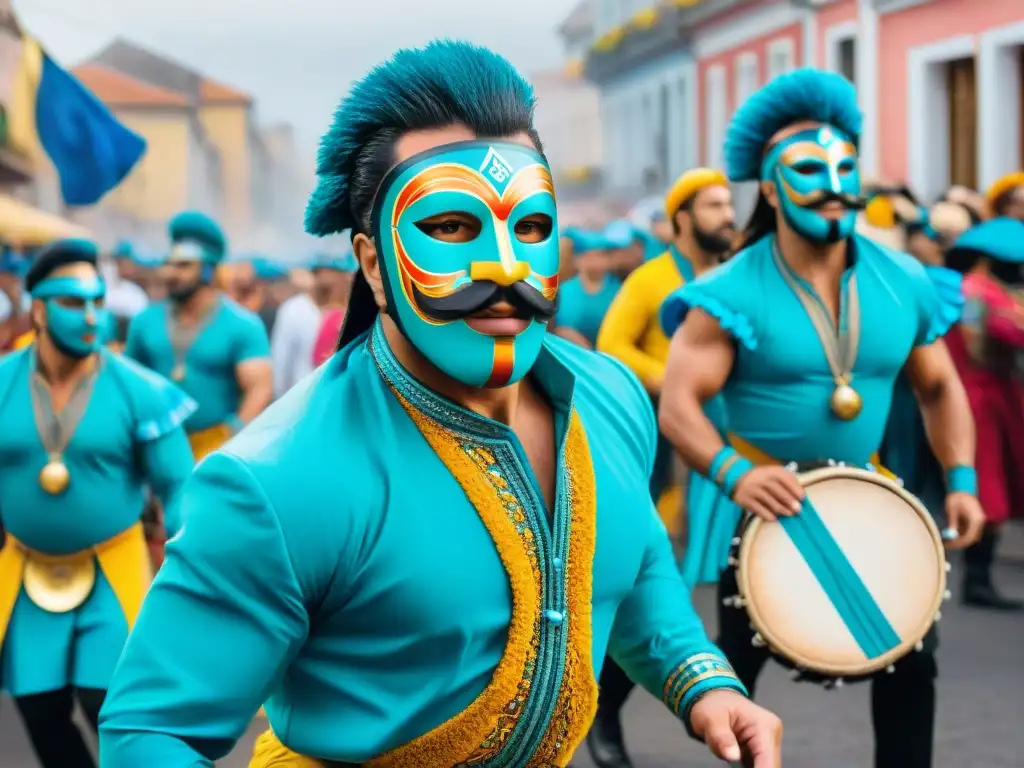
(761, 222)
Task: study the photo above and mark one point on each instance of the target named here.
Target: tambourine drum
(848, 586)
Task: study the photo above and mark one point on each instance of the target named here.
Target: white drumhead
(889, 539)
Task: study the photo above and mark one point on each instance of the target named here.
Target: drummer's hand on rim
(737, 730)
(769, 492)
(964, 513)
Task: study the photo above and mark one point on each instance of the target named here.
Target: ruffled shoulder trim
(675, 308)
(159, 406)
(949, 289)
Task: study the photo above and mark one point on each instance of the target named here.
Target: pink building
(941, 81)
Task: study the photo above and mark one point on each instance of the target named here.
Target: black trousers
(902, 702)
(55, 738)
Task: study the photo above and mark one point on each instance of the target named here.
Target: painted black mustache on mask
(818, 200)
(480, 295)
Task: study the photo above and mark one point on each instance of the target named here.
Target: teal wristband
(719, 462)
(733, 473)
(962, 479)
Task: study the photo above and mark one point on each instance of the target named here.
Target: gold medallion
(54, 478)
(846, 402)
(178, 372)
(59, 585)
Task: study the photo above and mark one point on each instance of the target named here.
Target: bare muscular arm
(947, 413)
(699, 361)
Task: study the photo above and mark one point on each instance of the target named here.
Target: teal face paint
(810, 169)
(433, 286)
(78, 330)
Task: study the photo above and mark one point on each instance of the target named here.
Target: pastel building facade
(941, 82)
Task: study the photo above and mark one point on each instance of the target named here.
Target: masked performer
(84, 432)
(988, 346)
(699, 205)
(760, 331)
(215, 349)
(399, 556)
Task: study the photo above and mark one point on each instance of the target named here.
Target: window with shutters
(963, 123)
(716, 115)
(781, 57)
(746, 77)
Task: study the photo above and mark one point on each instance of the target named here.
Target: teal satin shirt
(777, 395)
(130, 437)
(377, 565)
(232, 336)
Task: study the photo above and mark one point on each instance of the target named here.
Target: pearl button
(555, 617)
(557, 562)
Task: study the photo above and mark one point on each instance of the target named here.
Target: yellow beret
(1004, 185)
(688, 185)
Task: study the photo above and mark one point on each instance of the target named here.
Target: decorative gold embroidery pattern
(577, 700)
(477, 735)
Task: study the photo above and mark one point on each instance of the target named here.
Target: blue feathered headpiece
(443, 83)
(193, 225)
(803, 94)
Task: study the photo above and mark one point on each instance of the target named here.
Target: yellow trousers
(269, 752)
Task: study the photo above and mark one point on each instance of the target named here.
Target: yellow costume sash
(24, 340)
(206, 441)
(754, 454)
(61, 583)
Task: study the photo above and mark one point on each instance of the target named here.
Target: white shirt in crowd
(292, 341)
(124, 298)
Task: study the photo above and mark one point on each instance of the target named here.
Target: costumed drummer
(760, 330)
(85, 431)
(987, 346)
(399, 556)
(215, 349)
(699, 207)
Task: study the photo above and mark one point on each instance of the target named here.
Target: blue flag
(91, 150)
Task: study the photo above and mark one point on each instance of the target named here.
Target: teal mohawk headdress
(443, 83)
(803, 94)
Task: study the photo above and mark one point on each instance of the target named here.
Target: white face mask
(6, 310)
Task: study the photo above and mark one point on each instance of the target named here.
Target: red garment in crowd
(327, 339)
(986, 347)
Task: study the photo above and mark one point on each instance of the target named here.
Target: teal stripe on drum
(842, 585)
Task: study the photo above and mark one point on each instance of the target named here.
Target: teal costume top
(231, 335)
(777, 396)
(583, 311)
(130, 437)
(377, 565)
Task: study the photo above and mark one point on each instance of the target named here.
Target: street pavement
(980, 722)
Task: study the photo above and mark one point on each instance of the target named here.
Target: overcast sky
(297, 57)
